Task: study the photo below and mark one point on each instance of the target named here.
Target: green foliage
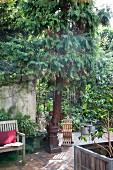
(46, 38)
(98, 99)
(58, 36)
(76, 123)
(106, 40)
(4, 115)
(44, 92)
(25, 124)
(57, 15)
(66, 106)
(9, 12)
(104, 15)
(29, 149)
(70, 55)
(83, 138)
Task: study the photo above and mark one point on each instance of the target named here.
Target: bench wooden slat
(8, 149)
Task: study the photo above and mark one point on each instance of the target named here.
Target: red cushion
(7, 137)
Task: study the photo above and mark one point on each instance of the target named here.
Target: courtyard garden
(56, 63)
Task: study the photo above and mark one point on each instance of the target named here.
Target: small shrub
(26, 125)
(29, 148)
(4, 115)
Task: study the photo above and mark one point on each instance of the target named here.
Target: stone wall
(20, 96)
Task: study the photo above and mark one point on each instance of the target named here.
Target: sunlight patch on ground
(37, 153)
(59, 156)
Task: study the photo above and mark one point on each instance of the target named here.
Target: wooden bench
(8, 126)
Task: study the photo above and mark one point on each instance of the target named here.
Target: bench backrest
(8, 125)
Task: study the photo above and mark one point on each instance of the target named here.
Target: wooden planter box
(85, 159)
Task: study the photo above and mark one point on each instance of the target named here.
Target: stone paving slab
(46, 161)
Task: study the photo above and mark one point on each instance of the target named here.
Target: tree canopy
(48, 37)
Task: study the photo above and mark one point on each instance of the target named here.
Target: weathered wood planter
(85, 159)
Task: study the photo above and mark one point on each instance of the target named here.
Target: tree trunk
(53, 143)
(57, 102)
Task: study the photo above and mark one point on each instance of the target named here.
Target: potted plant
(34, 139)
(98, 100)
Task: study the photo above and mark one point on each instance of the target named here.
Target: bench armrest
(21, 134)
(23, 137)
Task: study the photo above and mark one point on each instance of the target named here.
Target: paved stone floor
(45, 161)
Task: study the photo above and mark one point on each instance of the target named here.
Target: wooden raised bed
(85, 159)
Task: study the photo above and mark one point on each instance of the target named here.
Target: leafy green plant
(44, 97)
(29, 148)
(98, 102)
(76, 124)
(4, 115)
(66, 106)
(106, 37)
(26, 125)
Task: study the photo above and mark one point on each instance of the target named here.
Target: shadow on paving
(42, 161)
